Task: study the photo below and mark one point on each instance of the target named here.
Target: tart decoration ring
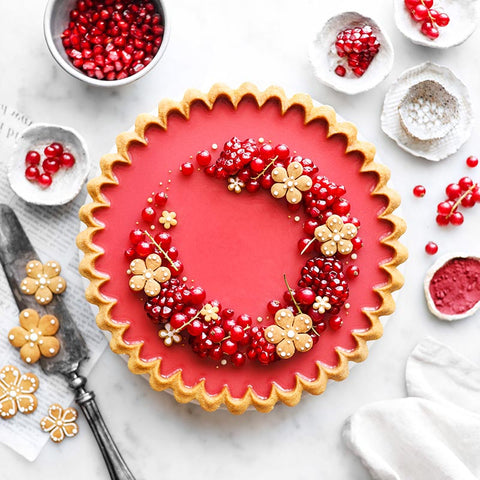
(288, 182)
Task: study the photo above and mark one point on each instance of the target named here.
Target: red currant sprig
(422, 11)
(465, 193)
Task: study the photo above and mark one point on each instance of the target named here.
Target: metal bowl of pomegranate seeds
(351, 53)
(109, 43)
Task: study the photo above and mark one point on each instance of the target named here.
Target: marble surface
(264, 42)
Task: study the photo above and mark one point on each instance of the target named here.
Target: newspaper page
(52, 232)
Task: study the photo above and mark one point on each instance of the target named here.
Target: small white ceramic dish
(463, 21)
(66, 182)
(434, 149)
(428, 111)
(472, 288)
(324, 58)
(55, 21)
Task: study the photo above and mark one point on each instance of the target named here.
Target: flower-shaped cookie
(235, 184)
(335, 236)
(43, 281)
(168, 219)
(60, 423)
(289, 333)
(148, 274)
(17, 392)
(169, 335)
(35, 336)
(290, 182)
(209, 312)
(321, 304)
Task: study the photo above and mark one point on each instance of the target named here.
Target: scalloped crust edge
(182, 392)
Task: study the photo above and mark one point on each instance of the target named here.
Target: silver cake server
(15, 251)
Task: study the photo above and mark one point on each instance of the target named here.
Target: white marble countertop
(264, 42)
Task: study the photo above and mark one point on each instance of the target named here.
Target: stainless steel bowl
(55, 22)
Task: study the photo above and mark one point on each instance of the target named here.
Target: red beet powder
(455, 287)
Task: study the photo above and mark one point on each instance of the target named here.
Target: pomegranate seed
(340, 70)
(110, 29)
(419, 191)
(431, 248)
(472, 161)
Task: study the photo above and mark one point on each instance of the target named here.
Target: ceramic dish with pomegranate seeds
(351, 53)
(252, 308)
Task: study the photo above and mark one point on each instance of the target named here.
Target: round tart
(249, 257)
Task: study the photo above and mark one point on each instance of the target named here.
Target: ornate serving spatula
(15, 251)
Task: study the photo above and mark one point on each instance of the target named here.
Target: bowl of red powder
(452, 286)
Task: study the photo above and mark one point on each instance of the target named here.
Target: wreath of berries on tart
(241, 275)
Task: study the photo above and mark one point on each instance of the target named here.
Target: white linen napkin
(434, 437)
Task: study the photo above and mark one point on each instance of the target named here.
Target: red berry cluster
(423, 11)
(358, 46)
(112, 39)
(229, 337)
(42, 171)
(464, 193)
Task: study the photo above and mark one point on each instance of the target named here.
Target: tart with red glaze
(229, 276)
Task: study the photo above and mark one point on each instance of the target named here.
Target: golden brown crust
(183, 393)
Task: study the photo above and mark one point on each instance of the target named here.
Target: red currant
(456, 218)
(144, 249)
(442, 220)
(431, 248)
(453, 191)
(161, 199)
(187, 169)
(238, 359)
(257, 165)
(148, 214)
(51, 165)
(32, 158)
(305, 296)
(136, 236)
(419, 191)
(67, 160)
(352, 271)
(203, 158)
(335, 323)
(465, 183)
(32, 173)
(282, 151)
(45, 180)
(472, 161)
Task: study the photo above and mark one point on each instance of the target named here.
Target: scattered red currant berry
(148, 214)
(282, 151)
(204, 158)
(187, 169)
(419, 191)
(472, 161)
(161, 199)
(431, 248)
(136, 236)
(352, 271)
(335, 323)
